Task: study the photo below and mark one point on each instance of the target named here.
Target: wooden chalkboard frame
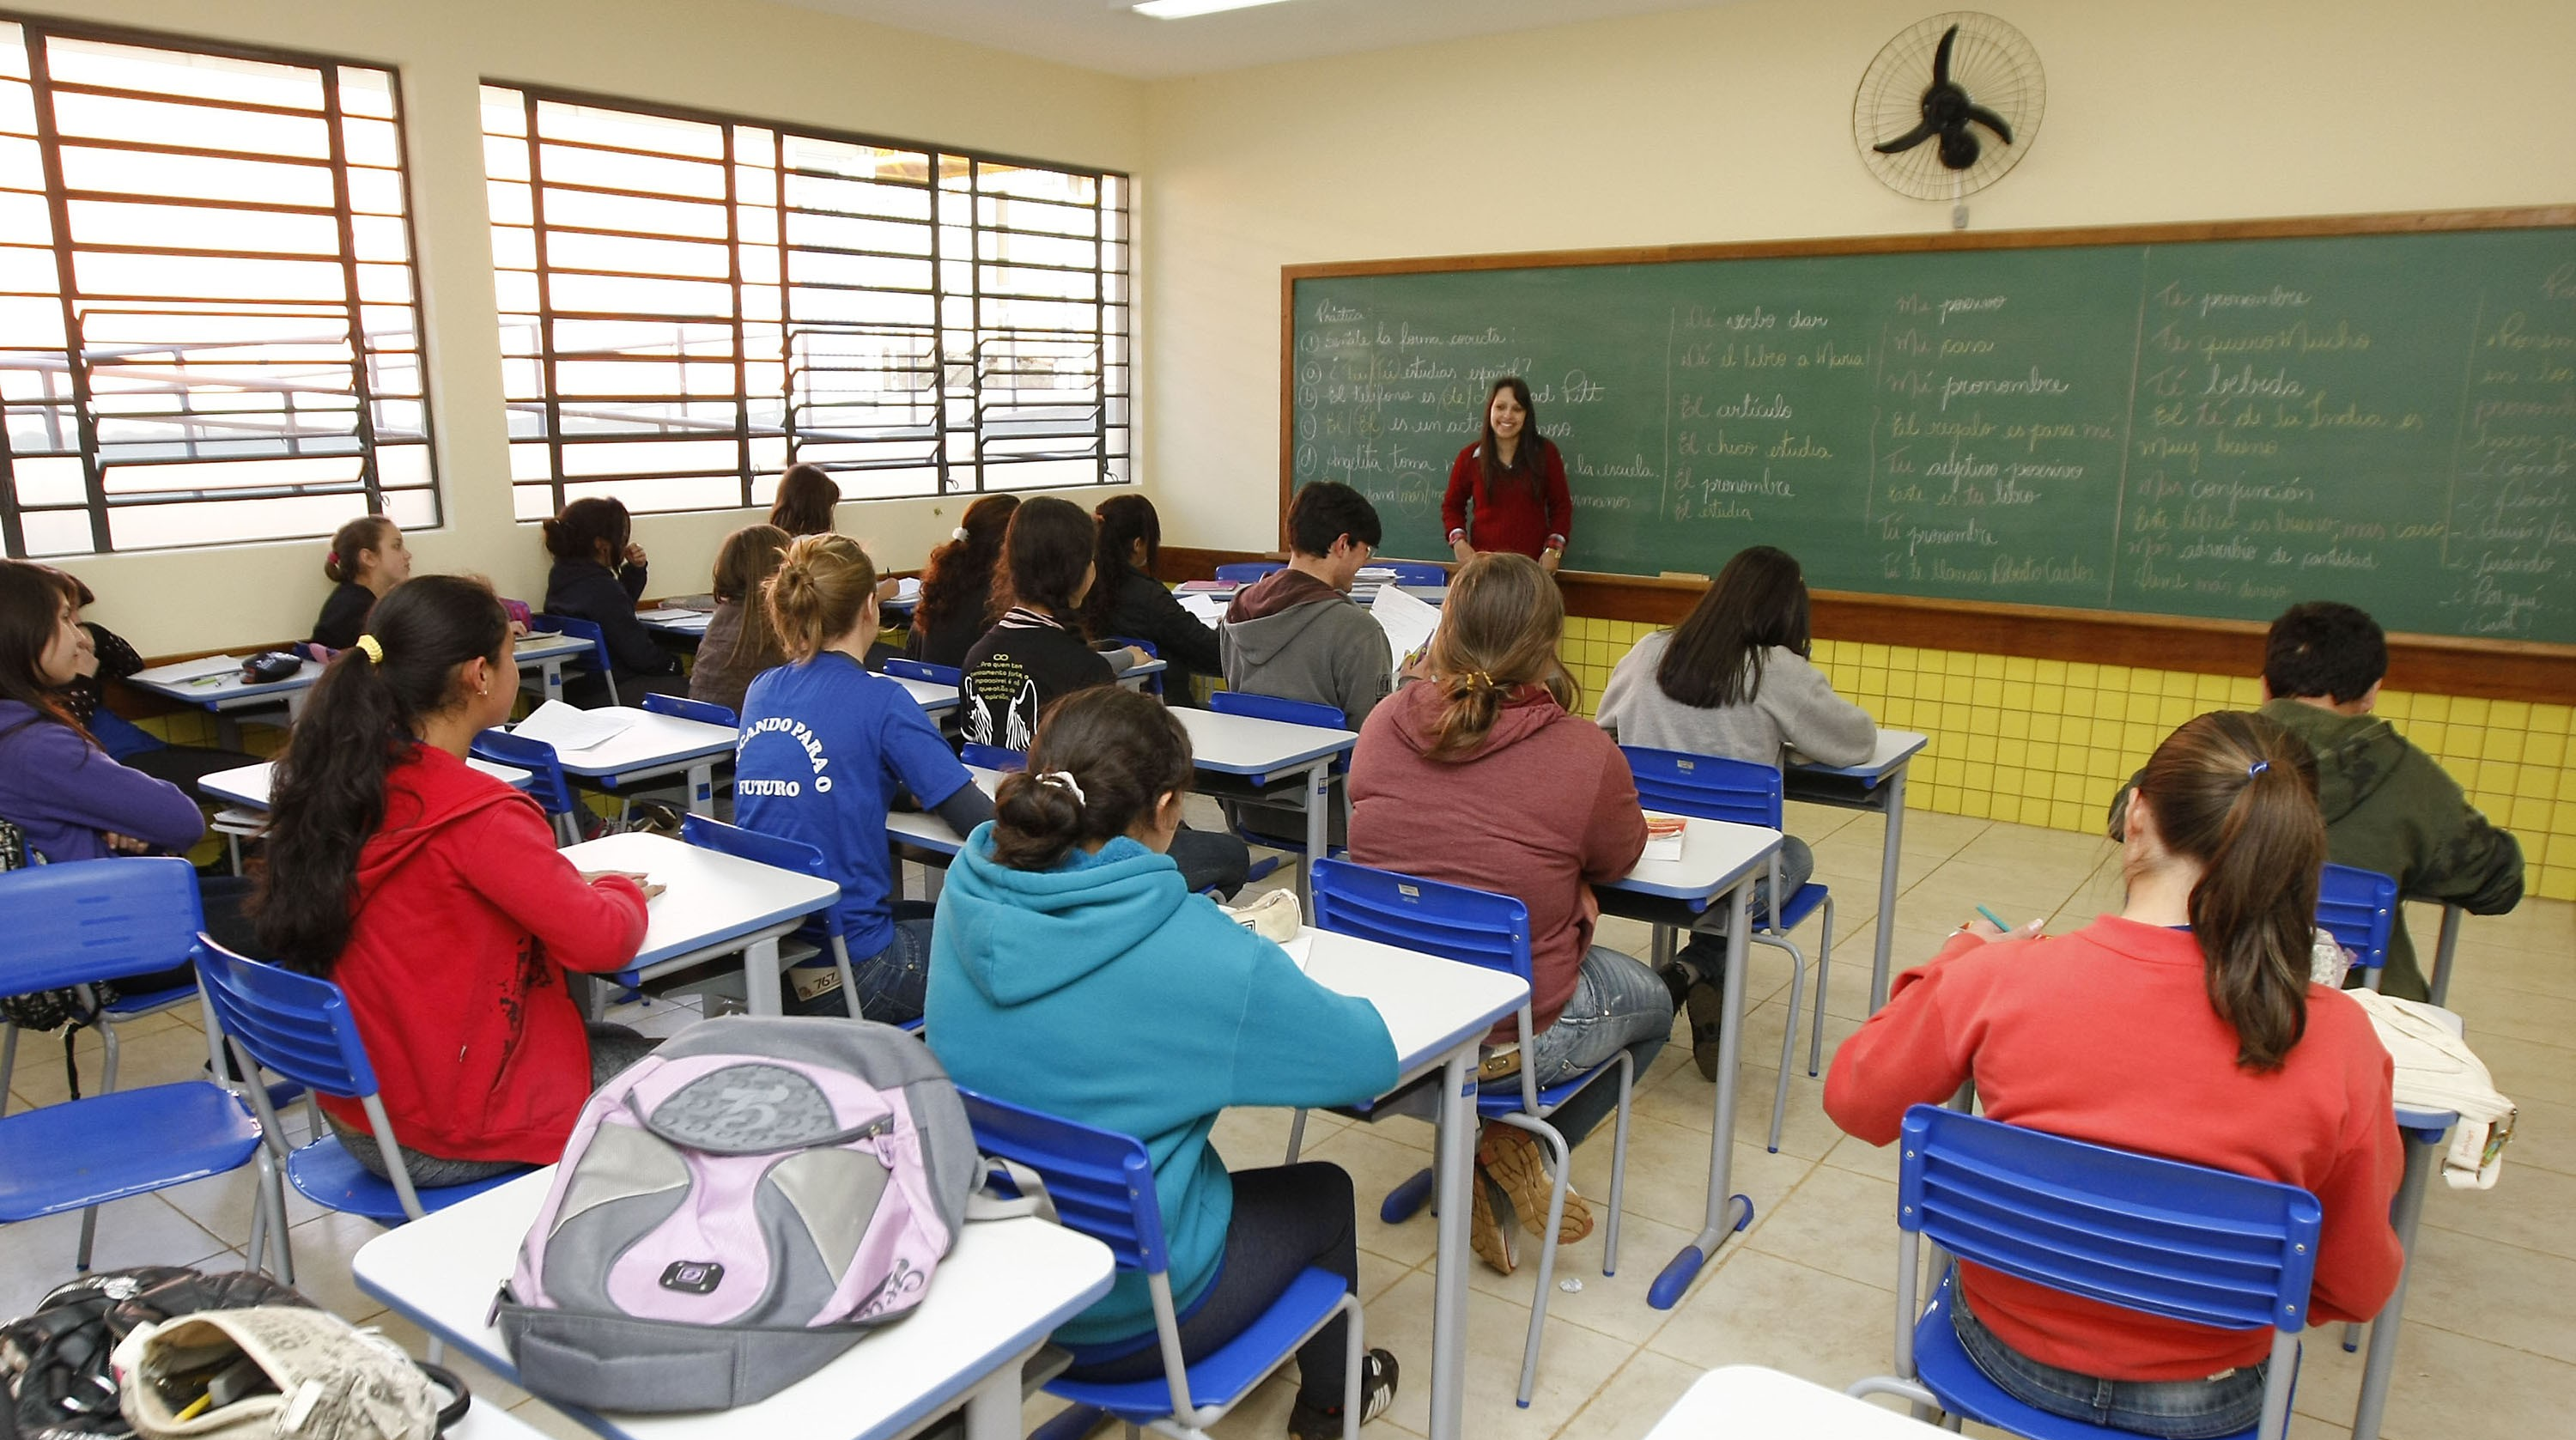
(2439, 664)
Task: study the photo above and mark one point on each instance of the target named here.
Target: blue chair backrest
(1244, 572)
(2359, 908)
(1415, 572)
(580, 630)
(763, 848)
(1102, 1182)
(536, 757)
(296, 1025)
(1271, 707)
(2159, 1236)
(681, 707)
(1153, 682)
(1705, 787)
(948, 675)
(993, 757)
(89, 920)
(1474, 927)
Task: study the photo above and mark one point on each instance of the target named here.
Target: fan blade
(1991, 121)
(1908, 140)
(1959, 149)
(1941, 56)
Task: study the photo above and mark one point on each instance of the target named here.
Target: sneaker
(1707, 1006)
(1377, 1392)
(1512, 1156)
(1487, 1235)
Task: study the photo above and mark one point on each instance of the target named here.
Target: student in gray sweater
(1734, 680)
(1297, 634)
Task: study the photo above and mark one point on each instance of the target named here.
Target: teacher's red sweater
(2107, 1035)
(1508, 516)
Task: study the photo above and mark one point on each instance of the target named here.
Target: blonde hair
(819, 592)
(1498, 631)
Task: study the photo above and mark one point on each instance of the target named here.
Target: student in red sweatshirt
(1507, 491)
(2183, 1027)
(1479, 775)
(434, 896)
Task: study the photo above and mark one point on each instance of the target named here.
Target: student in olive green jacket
(2388, 806)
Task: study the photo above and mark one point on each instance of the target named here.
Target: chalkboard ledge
(2421, 664)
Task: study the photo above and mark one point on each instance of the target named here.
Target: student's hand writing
(593, 877)
(1132, 657)
(1985, 929)
(518, 629)
(635, 554)
(124, 844)
(1417, 666)
(653, 888)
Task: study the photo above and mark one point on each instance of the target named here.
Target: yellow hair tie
(373, 648)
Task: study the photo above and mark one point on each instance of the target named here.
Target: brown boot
(1486, 1234)
(1512, 1156)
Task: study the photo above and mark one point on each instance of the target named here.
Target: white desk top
(538, 648)
(1431, 1006)
(1751, 1401)
(930, 696)
(222, 688)
(1244, 745)
(922, 828)
(1715, 855)
(1004, 1286)
(711, 897)
(652, 740)
(1895, 747)
(248, 785)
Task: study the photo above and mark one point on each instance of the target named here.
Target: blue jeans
(893, 981)
(2223, 1404)
(1618, 1004)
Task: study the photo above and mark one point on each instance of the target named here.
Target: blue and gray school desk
(1877, 783)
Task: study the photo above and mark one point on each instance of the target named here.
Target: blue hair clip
(2257, 768)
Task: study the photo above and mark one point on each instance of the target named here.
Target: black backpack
(54, 1370)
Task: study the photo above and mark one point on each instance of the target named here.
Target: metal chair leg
(1564, 1168)
(8, 1061)
(1296, 1136)
(1824, 973)
(1788, 1033)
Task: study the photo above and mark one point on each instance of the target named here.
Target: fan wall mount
(1948, 107)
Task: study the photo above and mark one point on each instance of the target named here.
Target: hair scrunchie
(957, 534)
(2257, 768)
(372, 648)
(1064, 778)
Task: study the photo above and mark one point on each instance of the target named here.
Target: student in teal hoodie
(1072, 971)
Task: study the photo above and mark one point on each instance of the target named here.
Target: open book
(1408, 622)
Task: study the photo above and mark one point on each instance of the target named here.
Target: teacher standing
(1507, 491)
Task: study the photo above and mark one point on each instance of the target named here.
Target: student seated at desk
(1035, 653)
(1074, 972)
(1733, 680)
(740, 641)
(2389, 807)
(957, 586)
(807, 499)
(1296, 634)
(112, 658)
(824, 746)
(433, 895)
(598, 576)
(2184, 1027)
(366, 559)
(1127, 602)
(70, 798)
(1481, 775)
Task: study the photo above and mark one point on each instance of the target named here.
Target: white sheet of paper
(1207, 609)
(566, 728)
(1301, 948)
(668, 613)
(186, 670)
(908, 589)
(1408, 622)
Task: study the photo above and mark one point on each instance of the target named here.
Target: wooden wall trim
(2422, 664)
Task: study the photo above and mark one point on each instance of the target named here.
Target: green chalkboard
(2148, 421)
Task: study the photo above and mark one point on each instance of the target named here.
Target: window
(208, 326)
(689, 304)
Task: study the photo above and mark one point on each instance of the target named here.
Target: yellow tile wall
(2048, 742)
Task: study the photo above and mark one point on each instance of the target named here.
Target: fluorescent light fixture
(1184, 9)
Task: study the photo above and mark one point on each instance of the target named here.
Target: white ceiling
(1096, 36)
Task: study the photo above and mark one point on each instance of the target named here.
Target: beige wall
(755, 59)
(1735, 123)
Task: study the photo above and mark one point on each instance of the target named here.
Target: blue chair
(1153, 682)
(993, 757)
(1102, 1185)
(2359, 908)
(547, 783)
(1710, 787)
(77, 924)
(1291, 712)
(1244, 572)
(300, 1026)
(1492, 931)
(948, 675)
(785, 854)
(600, 663)
(2155, 1236)
(1414, 572)
(681, 707)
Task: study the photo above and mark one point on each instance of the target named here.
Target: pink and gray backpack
(737, 1209)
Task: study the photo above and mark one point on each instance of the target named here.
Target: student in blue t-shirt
(824, 747)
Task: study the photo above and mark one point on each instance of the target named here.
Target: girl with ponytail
(2185, 1027)
(1481, 775)
(1075, 972)
(827, 749)
(367, 558)
(957, 585)
(432, 894)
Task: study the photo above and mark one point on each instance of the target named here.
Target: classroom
(1264, 174)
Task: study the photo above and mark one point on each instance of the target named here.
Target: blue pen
(1994, 919)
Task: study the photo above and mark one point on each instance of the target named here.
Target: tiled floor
(2490, 1340)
